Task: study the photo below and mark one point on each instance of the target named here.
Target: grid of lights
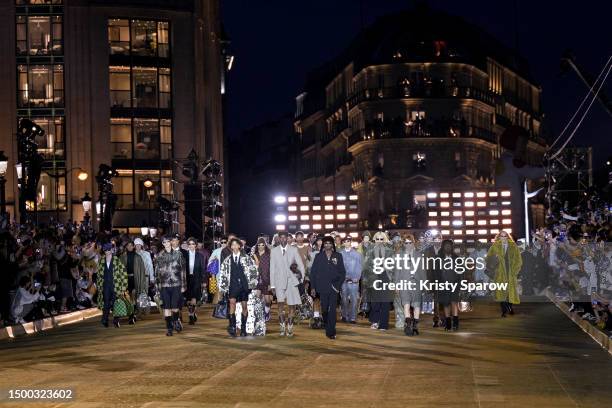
(470, 216)
(320, 214)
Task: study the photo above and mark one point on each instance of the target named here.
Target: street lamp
(3, 168)
(148, 183)
(86, 201)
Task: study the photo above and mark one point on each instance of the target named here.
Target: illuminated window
(494, 222)
(329, 226)
(280, 227)
(329, 208)
(494, 231)
(481, 203)
(329, 198)
(505, 202)
(458, 232)
(493, 194)
(341, 216)
(432, 195)
(469, 232)
(445, 232)
(482, 232)
(304, 226)
(316, 227)
(353, 197)
(353, 216)
(341, 198)
(456, 195)
(481, 194)
(316, 208)
(341, 207)
(457, 223)
(482, 222)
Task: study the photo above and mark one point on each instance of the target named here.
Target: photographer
(26, 299)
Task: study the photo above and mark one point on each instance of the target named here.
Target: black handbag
(220, 310)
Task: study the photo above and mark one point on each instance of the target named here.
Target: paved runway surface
(537, 358)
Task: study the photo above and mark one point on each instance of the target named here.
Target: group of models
(300, 271)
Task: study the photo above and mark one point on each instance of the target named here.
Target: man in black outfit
(326, 277)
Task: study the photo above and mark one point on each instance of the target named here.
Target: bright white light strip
(316, 226)
(469, 203)
(482, 232)
(329, 198)
(305, 217)
(433, 223)
(469, 213)
(280, 199)
(280, 218)
(505, 194)
(293, 218)
(505, 202)
(341, 216)
(329, 226)
(341, 198)
(494, 222)
(353, 197)
(329, 208)
(304, 226)
(469, 232)
(458, 241)
(456, 213)
(494, 212)
(469, 222)
(280, 227)
(316, 217)
(304, 208)
(457, 223)
(341, 207)
(354, 234)
(443, 195)
(506, 212)
(494, 231)
(292, 199)
(444, 213)
(468, 195)
(433, 213)
(456, 195)
(482, 222)
(316, 208)
(444, 204)
(445, 223)
(506, 221)
(292, 208)
(458, 232)
(445, 232)
(432, 195)
(304, 198)
(353, 216)
(329, 216)
(493, 194)
(481, 204)
(481, 194)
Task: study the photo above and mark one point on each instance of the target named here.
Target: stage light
(493, 194)
(329, 216)
(445, 223)
(494, 222)
(293, 218)
(458, 232)
(482, 222)
(443, 195)
(457, 223)
(280, 227)
(469, 222)
(433, 223)
(469, 232)
(316, 198)
(342, 234)
(280, 218)
(493, 212)
(328, 198)
(292, 208)
(469, 213)
(508, 230)
(506, 221)
(482, 232)
(341, 198)
(305, 217)
(329, 208)
(444, 204)
(445, 232)
(304, 208)
(316, 217)
(456, 213)
(292, 199)
(505, 202)
(434, 232)
(506, 212)
(329, 226)
(432, 195)
(304, 199)
(458, 241)
(469, 204)
(353, 216)
(304, 226)
(353, 197)
(341, 216)
(444, 214)
(481, 204)
(354, 234)
(456, 195)
(494, 231)
(468, 195)
(341, 207)
(316, 208)
(433, 213)
(481, 194)
(505, 194)
(279, 199)
(316, 227)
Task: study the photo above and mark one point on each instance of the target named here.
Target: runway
(536, 358)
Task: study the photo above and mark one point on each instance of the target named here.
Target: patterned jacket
(250, 271)
(120, 279)
(170, 270)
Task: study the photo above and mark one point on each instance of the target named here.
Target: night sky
(276, 43)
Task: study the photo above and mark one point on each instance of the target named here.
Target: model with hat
(286, 273)
(326, 277)
(138, 282)
(171, 283)
(112, 282)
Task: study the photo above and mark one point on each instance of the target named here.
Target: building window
(132, 193)
(123, 187)
(119, 78)
(163, 39)
(146, 139)
(139, 37)
(39, 35)
(119, 37)
(147, 88)
(51, 145)
(144, 38)
(121, 138)
(51, 192)
(419, 161)
(40, 86)
(21, 2)
(144, 84)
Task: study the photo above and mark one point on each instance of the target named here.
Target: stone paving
(537, 358)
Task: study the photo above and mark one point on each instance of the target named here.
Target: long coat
(250, 271)
(120, 279)
(496, 256)
(327, 274)
(141, 280)
(281, 275)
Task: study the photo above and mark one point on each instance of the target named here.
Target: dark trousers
(109, 301)
(380, 314)
(329, 302)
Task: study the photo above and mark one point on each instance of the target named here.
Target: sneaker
(289, 330)
(374, 326)
(282, 329)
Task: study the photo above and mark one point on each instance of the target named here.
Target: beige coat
(280, 272)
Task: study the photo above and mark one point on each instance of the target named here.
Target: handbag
(213, 267)
(220, 310)
(122, 307)
(212, 284)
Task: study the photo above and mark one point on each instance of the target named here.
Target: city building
(416, 103)
(133, 84)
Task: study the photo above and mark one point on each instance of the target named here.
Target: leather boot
(178, 326)
(191, 309)
(282, 324)
(455, 323)
(290, 327)
(415, 327)
(231, 329)
(448, 324)
(243, 322)
(408, 327)
(504, 309)
(169, 325)
(436, 321)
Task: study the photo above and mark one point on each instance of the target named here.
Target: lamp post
(3, 168)
(86, 202)
(148, 183)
